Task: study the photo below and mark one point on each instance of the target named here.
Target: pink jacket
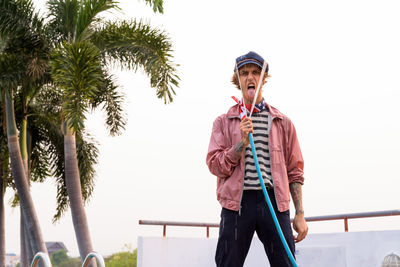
(286, 159)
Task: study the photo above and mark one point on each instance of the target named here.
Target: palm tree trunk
(73, 184)
(22, 242)
(19, 175)
(2, 220)
(29, 250)
(25, 247)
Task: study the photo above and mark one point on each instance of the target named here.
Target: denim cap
(250, 58)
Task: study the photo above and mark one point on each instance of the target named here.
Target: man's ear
(265, 81)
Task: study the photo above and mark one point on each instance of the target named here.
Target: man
(229, 157)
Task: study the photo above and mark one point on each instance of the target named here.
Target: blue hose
(271, 209)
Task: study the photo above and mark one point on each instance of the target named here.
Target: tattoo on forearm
(239, 147)
(296, 192)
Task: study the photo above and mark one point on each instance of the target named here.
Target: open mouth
(251, 91)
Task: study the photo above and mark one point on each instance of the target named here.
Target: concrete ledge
(351, 249)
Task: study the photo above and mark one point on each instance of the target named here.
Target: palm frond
(134, 43)
(15, 16)
(19, 20)
(39, 161)
(63, 18)
(87, 153)
(88, 12)
(33, 55)
(54, 145)
(11, 70)
(156, 4)
(76, 69)
(23, 37)
(111, 101)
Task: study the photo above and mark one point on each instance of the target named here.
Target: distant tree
(61, 259)
(58, 257)
(122, 259)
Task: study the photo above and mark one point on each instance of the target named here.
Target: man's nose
(250, 77)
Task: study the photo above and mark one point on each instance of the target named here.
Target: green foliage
(89, 10)
(76, 69)
(133, 44)
(11, 70)
(63, 19)
(111, 101)
(122, 259)
(156, 4)
(61, 259)
(58, 257)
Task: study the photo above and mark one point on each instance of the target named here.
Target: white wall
(351, 249)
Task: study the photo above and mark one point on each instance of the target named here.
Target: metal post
(346, 225)
(164, 230)
(208, 232)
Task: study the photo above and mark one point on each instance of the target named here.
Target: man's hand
(299, 223)
(246, 127)
(300, 226)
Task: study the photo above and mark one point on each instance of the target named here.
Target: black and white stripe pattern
(260, 136)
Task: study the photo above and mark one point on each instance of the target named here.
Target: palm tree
(21, 63)
(86, 47)
(44, 157)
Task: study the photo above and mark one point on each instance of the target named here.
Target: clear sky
(335, 72)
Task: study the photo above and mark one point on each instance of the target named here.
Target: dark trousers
(236, 231)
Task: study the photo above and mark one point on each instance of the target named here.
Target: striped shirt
(260, 136)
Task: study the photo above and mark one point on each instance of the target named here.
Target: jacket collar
(234, 112)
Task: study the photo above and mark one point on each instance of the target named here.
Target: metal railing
(344, 217)
(92, 255)
(44, 257)
(348, 216)
(190, 224)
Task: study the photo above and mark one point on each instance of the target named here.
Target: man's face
(249, 78)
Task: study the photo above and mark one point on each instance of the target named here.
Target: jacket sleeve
(294, 157)
(221, 158)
